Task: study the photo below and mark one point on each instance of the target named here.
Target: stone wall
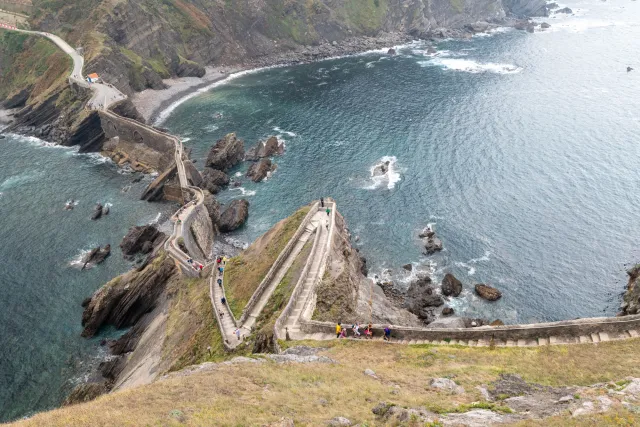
(137, 142)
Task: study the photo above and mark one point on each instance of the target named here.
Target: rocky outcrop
(226, 153)
(234, 215)
(97, 212)
(631, 298)
(451, 286)
(125, 108)
(193, 176)
(141, 239)
(487, 292)
(125, 299)
(422, 298)
(260, 170)
(566, 10)
(213, 207)
(214, 180)
(86, 392)
(264, 149)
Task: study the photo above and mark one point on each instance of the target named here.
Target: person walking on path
(220, 282)
(356, 330)
(343, 333)
(328, 211)
(368, 333)
(338, 330)
(322, 202)
(387, 333)
(223, 300)
(237, 332)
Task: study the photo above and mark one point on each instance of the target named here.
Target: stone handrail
(281, 321)
(277, 264)
(533, 331)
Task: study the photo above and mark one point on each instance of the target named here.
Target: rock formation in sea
(213, 208)
(421, 298)
(234, 215)
(226, 153)
(487, 292)
(141, 239)
(259, 170)
(451, 286)
(268, 148)
(213, 180)
(96, 256)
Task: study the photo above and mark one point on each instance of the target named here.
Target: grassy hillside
(30, 62)
(244, 272)
(312, 393)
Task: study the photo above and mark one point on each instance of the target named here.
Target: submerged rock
(226, 153)
(381, 169)
(432, 245)
(544, 25)
(260, 170)
(565, 10)
(487, 292)
(234, 215)
(451, 286)
(391, 51)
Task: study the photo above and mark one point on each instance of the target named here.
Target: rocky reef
(234, 215)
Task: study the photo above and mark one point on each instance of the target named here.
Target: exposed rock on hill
(260, 170)
(265, 149)
(213, 207)
(141, 240)
(234, 215)
(226, 153)
(213, 180)
(125, 299)
(487, 292)
(451, 286)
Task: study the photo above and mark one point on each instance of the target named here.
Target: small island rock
(234, 215)
(487, 292)
(451, 286)
(226, 153)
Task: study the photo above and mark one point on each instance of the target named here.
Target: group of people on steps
(342, 331)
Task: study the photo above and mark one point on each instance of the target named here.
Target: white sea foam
(185, 139)
(389, 179)
(95, 158)
(76, 261)
(20, 179)
(285, 132)
(322, 84)
(244, 191)
(471, 270)
(238, 174)
(156, 220)
(211, 128)
(471, 66)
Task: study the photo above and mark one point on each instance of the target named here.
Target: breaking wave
(471, 66)
(379, 177)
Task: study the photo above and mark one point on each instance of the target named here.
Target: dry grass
(311, 394)
(244, 273)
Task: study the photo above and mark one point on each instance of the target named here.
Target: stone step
(543, 341)
(511, 343)
(604, 336)
(522, 343)
(483, 343)
(634, 333)
(595, 337)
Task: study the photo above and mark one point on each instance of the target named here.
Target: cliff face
(631, 298)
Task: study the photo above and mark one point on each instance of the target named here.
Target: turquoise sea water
(42, 355)
(521, 148)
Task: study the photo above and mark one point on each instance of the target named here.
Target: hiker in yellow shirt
(338, 330)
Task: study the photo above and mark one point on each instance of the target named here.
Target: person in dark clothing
(322, 202)
(223, 300)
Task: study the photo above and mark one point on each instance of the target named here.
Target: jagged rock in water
(213, 207)
(426, 233)
(381, 169)
(125, 299)
(421, 298)
(447, 311)
(544, 25)
(137, 239)
(565, 10)
(487, 292)
(477, 27)
(260, 170)
(213, 180)
(451, 286)
(265, 149)
(226, 153)
(391, 51)
(234, 215)
(408, 267)
(97, 212)
(85, 392)
(432, 245)
(96, 256)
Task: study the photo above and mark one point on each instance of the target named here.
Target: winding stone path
(104, 95)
